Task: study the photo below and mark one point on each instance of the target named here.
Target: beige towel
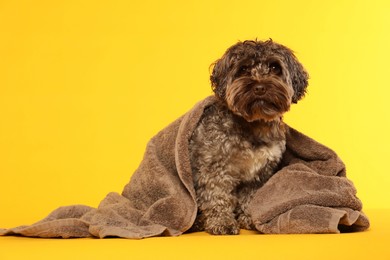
(310, 194)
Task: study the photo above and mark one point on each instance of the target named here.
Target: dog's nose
(260, 89)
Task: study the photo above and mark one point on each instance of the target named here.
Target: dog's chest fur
(226, 146)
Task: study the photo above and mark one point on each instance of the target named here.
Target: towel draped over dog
(310, 194)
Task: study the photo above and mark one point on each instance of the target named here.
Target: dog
(239, 141)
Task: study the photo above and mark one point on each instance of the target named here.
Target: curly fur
(240, 140)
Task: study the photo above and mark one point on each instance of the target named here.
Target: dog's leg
(245, 193)
(217, 203)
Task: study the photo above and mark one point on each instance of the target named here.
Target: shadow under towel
(310, 194)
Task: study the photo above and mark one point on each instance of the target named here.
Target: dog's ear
(219, 75)
(299, 76)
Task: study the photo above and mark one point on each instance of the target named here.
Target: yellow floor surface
(372, 244)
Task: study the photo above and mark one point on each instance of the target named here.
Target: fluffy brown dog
(239, 141)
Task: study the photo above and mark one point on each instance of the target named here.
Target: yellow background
(85, 84)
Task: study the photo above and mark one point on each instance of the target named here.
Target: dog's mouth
(265, 109)
(267, 106)
(253, 100)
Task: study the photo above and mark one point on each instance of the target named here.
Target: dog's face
(259, 80)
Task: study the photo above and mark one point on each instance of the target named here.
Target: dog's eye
(243, 70)
(275, 68)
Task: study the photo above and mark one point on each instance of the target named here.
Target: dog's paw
(224, 230)
(227, 228)
(245, 222)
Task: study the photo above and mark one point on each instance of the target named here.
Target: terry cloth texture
(310, 194)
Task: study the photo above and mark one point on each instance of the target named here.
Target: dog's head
(259, 80)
